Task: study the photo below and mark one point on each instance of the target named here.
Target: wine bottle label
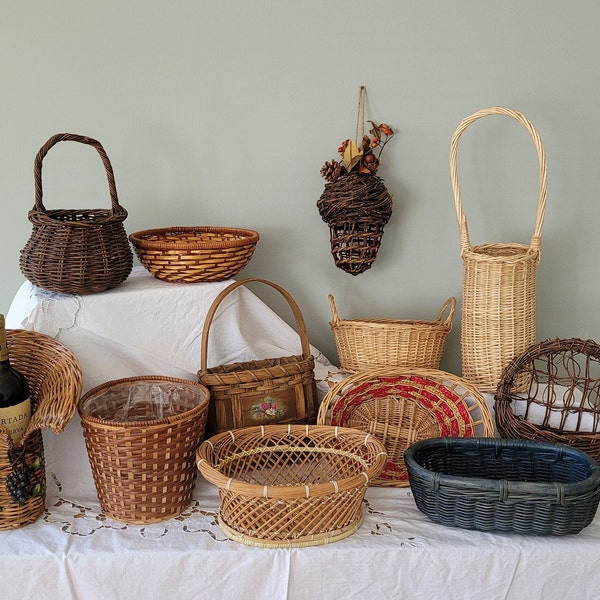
(15, 418)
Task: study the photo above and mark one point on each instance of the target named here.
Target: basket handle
(449, 305)
(536, 240)
(336, 319)
(300, 325)
(73, 137)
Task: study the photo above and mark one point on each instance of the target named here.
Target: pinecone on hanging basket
(355, 202)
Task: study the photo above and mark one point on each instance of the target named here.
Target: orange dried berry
(343, 146)
(374, 142)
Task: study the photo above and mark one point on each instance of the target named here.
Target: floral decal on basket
(269, 408)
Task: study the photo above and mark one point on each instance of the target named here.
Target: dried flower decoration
(355, 202)
(366, 158)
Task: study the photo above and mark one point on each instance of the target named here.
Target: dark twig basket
(79, 251)
(55, 381)
(512, 486)
(290, 485)
(356, 207)
(561, 403)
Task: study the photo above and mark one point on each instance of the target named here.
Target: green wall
(222, 113)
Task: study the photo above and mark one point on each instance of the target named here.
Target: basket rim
(346, 385)
(214, 476)
(148, 423)
(139, 238)
(505, 488)
(504, 396)
(384, 323)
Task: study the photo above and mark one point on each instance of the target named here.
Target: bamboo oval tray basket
(510, 486)
(141, 434)
(402, 406)
(290, 485)
(499, 280)
(376, 343)
(194, 254)
(561, 403)
(55, 381)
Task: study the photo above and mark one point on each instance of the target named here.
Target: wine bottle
(15, 404)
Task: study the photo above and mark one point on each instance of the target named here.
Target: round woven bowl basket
(290, 485)
(141, 435)
(194, 254)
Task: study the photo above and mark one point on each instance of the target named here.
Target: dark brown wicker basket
(79, 251)
(561, 403)
(356, 207)
(511, 486)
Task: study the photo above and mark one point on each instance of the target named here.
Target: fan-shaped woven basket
(194, 254)
(290, 485)
(378, 343)
(561, 403)
(141, 435)
(402, 406)
(55, 381)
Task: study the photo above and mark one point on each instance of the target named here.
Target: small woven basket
(376, 343)
(499, 280)
(561, 404)
(194, 254)
(356, 207)
(401, 406)
(264, 391)
(141, 435)
(79, 251)
(290, 485)
(510, 486)
(54, 377)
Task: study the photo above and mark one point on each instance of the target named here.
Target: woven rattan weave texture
(55, 381)
(78, 251)
(499, 280)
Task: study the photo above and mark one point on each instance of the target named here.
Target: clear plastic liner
(143, 401)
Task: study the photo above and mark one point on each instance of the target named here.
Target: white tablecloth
(74, 551)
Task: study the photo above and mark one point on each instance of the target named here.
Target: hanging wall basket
(355, 202)
(356, 207)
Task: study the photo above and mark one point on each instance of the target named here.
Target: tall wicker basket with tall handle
(499, 280)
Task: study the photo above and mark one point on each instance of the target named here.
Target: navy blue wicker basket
(512, 486)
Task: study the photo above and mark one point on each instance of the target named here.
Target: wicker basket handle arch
(449, 305)
(300, 325)
(536, 240)
(39, 207)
